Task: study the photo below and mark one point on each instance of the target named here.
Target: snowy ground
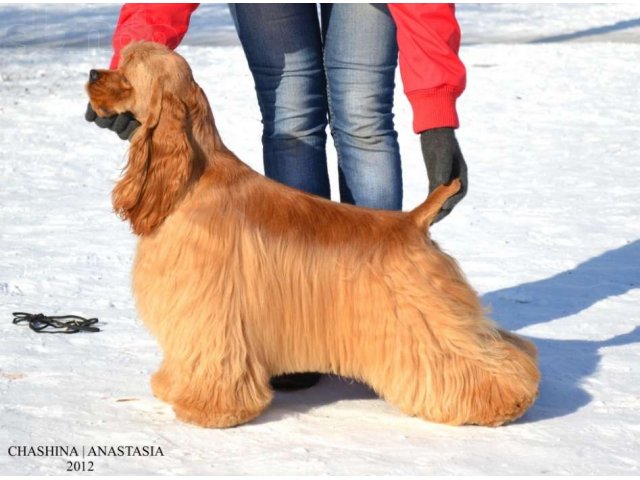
(549, 234)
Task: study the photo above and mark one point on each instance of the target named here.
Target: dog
(241, 278)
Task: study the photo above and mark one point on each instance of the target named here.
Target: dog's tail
(424, 214)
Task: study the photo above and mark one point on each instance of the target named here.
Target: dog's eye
(125, 82)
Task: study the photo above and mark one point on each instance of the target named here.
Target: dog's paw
(504, 396)
(160, 385)
(212, 418)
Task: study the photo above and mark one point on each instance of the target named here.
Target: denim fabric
(335, 68)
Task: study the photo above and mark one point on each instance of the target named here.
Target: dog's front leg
(212, 393)
(161, 382)
(223, 402)
(209, 375)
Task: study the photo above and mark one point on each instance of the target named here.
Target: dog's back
(281, 210)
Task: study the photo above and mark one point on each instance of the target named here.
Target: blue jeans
(337, 69)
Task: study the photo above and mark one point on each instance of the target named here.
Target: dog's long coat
(241, 278)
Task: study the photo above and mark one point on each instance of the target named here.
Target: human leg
(283, 46)
(360, 53)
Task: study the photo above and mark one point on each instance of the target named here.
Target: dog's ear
(159, 168)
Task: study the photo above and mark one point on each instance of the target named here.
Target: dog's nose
(93, 75)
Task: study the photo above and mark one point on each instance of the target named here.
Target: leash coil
(41, 323)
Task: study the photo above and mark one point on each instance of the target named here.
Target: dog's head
(148, 77)
(156, 85)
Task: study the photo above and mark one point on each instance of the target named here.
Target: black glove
(444, 162)
(124, 124)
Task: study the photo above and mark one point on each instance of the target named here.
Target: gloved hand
(444, 162)
(124, 124)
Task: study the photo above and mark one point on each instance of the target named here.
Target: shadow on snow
(566, 363)
(590, 32)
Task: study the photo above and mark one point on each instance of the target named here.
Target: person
(336, 69)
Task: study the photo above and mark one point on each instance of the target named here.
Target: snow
(549, 234)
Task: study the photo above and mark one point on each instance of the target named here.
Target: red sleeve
(432, 73)
(164, 23)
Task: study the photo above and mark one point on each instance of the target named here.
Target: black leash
(39, 323)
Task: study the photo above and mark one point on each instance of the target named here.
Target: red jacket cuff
(434, 109)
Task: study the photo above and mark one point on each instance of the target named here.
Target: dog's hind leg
(426, 375)
(435, 355)
(517, 341)
(488, 380)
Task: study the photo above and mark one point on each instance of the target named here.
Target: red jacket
(428, 41)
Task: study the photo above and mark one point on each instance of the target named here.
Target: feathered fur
(241, 278)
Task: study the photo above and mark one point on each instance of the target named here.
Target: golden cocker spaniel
(241, 278)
